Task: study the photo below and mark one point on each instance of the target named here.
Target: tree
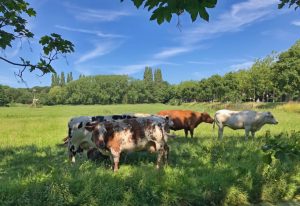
(148, 75)
(187, 91)
(216, 84)
(287, 73)
(55, 80)
(57, 95)
(232, 91)
(13, 27)
(158, 76)
(81, 76)
(163, 10)
(62, 79)
(261, 78)
(69, 77)
(290, 3)
(4, 99)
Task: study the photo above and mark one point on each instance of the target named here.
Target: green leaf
(280, 155)
(168, 17)
(194, 14)
(138, 3)
(267, 159)
(210, 3)
(203, 14)
(31, 12)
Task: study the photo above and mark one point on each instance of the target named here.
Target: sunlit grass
(202, 171)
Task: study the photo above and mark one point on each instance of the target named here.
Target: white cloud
(244, 65)
(239, 16)
(296, 23)
(169, 52)
(135, 68)
(96, 15)
(93, 32)
(100, 50)
(83, 70)
(201, 62)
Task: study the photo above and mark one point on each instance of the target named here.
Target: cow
(186, 119)
(81, 138)
(78, 143)
(249, 120)
(144, 133)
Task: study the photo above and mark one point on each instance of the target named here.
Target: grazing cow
(81, 141)
(75, 121)
(251, 121)
(145, 133)
(186, 119)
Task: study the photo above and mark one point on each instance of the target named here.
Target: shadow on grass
(200, 172)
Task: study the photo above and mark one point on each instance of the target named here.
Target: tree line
(271, 79)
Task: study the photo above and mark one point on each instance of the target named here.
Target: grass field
(34, 170)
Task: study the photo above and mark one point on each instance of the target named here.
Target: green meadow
(34, 168)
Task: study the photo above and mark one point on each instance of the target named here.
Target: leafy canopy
(163, 10)
(13, 26)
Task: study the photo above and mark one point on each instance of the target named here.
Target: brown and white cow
(249, 120)
(75, 121)
(78, 122)
(82, 135)
(186, 119)
(145, 133)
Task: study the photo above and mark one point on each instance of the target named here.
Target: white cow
(251, 121)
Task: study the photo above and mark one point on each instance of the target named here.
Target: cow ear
(90, 126)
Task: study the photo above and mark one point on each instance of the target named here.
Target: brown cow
(186, 119)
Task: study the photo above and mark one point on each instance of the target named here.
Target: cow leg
(166, 153)
(220, 133)
(72, 153)
(115, 156)
(252, 134)
(192, 133)
(72, 158)
(186, 132)
(161, 153)
(246, 134)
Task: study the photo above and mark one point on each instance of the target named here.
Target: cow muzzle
(101, 144)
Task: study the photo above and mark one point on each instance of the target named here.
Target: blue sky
(115, 38)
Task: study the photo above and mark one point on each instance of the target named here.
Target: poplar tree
(158, 76)
(62, 79)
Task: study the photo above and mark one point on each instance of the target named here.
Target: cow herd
(109, 136)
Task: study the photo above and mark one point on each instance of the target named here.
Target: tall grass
(202, 171)
(290, 107)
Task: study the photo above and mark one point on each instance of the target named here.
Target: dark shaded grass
(200, 172)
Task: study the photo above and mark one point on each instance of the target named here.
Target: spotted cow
(144, 133)
(77, 138)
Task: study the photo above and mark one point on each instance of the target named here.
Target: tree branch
(16, 64)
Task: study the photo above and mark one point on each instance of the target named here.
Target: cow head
(205, 117)
(79, 139)
(166, 121)
(98, 131)
(269, 118)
